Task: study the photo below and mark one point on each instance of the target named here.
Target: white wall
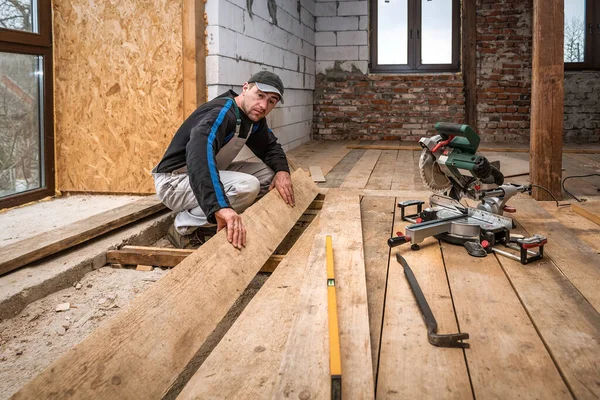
(341, 35)
(240, 45)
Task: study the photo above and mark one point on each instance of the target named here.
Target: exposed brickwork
(582, 107)
(504, 49)
(350, 105)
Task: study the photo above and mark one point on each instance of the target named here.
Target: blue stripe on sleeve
(214, 176)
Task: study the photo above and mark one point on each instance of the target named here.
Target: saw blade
(431, 174)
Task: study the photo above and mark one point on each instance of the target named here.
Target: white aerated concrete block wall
(341, 35)
(240, 45)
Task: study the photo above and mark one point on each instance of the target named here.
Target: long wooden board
(336, 176)
(305, 366)
(586, 230)
(507, 358)
(377, 215)
(579, 263)
(316, 174)
(246, 361)
(381, 177)
(129, 357)
(166, 257)
(410, 367)
(34, 248)
(568, 324)
(404, 171)
(590, 210)
(359, 175)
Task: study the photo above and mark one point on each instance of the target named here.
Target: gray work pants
(244, 182)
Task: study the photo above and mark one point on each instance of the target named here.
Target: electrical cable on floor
(575, 176)
(547, 191)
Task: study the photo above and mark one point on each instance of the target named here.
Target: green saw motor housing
(465, 144)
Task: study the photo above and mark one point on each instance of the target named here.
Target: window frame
(414, 40)
(592, 41)
(39, 44)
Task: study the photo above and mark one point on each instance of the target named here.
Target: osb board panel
(119, 91)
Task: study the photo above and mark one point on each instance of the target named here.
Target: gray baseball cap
(268, 82)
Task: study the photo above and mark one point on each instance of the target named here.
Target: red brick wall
(350, 105)
(504, 49)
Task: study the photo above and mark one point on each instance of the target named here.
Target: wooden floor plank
(246, 361)
(585, 229)
(568, 324)
(580, 187)
(338, 174)
(404, 171)
(128, 357)
(377, 214)
(324, 153)
(588, 210)
(36, 247)
(359, 175)
(579, 263)
(381, 178)
(302, 371)
(410, 367)
(507, 358)
(316, 174)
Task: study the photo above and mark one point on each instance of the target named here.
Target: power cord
(575, 176)
(551, 195)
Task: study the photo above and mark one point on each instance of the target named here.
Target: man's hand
(283, 183)
(236, 232)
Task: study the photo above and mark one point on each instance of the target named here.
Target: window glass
(392, 31)
(436, 25)
(20, 128)
(19, 15)
(574, 30)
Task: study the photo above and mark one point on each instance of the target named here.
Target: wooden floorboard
(359, 175)
(566, 322)
(410, 367)
(246, 361)
(128, 357)
(338, 174)
(37, 247)
(588, 210)
(404, 171)
(377, 214)
(579, 263)
(303, 373)
(381, 177)
(507, 358)
(585, 229)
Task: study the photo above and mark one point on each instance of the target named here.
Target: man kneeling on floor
(197, 176)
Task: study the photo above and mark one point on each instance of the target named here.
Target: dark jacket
(205, 132)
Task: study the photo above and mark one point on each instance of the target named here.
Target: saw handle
(398, 240)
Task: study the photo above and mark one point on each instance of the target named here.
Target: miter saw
(450, 166)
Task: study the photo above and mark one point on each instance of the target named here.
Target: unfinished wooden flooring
(534, 330)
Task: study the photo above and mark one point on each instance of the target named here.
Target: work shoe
(191, 241)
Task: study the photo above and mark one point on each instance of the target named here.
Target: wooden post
(469, 61)
(194, 68)
(547, 97)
